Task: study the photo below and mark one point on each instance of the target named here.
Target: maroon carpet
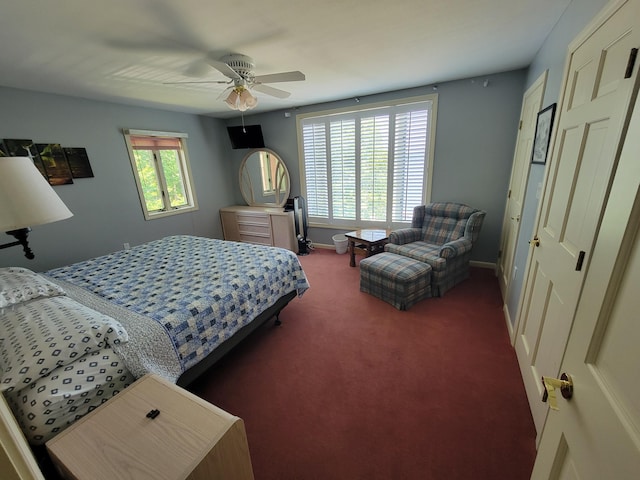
(348, 387)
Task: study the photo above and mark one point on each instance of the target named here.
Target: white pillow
(19, 284)
(38, 336)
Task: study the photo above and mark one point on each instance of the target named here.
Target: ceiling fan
(240, 71)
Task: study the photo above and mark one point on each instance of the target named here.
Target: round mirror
(264, 179)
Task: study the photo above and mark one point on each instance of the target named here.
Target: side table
(371, 240)
(153, 430)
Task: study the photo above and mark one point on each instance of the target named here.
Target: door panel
(613, 55)
(565, 463)
(553, 223)
(590, 187)
(534, 317)
(589, 128)
(613, 368)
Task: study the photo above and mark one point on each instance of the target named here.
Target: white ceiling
(125, 50)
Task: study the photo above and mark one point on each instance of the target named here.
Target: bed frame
(201, 367)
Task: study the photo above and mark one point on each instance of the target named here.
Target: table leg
(352, 253)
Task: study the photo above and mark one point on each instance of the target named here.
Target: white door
(593, 114)
(596, 434)
(531, 104)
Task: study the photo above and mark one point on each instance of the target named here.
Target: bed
(72, 337)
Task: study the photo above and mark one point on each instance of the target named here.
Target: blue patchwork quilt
(199, 290)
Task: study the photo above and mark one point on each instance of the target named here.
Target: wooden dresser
(262, 225)
(124, 439)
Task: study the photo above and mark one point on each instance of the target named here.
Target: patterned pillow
(38, 336)
(19, 284)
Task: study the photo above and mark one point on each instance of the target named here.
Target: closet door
(531, 105)
(596, 433)
(593, 118)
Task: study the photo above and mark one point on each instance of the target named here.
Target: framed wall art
(78, 162)
(13, 147)
(55, 163)
(542, 138)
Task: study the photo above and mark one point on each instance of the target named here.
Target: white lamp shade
(26, 198)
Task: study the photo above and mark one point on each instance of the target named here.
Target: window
(162, 172)
(269, 172)
(367, 167)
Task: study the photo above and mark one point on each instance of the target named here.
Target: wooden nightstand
(189, 438)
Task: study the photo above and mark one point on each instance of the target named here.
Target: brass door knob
(535, 242)
(550, 385)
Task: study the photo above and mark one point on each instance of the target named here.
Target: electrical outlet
(127, 246)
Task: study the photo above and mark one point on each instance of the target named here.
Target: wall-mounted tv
(247, 136)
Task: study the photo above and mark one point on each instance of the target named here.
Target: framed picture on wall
(55, 163)
(78, 162)
(543, 135)
(24, 148)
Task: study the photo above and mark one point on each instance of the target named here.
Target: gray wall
(551, 57)
(107, 211)
(475, 140)
(474, 144)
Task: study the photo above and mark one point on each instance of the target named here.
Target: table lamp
(26, 199)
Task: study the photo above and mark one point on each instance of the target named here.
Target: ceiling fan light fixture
(232, 100)
(249, 100)
(241, 99)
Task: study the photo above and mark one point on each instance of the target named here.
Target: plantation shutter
(316, 169)
(367, 167)
(410, 155)
(374, 163)
(343, 169)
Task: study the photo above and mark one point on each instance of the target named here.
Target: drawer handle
(153, 414)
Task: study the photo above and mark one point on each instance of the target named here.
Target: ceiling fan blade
(281, 77)
(274, 92)
(192, 82)
(225, 69)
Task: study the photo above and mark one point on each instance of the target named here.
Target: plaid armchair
(442, 235)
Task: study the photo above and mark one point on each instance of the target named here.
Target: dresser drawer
(253, 218)
(255, 238)
(253, 229)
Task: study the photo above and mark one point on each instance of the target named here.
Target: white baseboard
(507, 319)
(490, 265)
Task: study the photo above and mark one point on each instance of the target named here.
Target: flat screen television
(248, 136)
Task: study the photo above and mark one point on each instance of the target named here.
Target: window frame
(185, 174)
(358, 111)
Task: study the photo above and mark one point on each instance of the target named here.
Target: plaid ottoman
(396, 279)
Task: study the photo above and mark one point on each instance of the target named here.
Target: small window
(161, 168)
